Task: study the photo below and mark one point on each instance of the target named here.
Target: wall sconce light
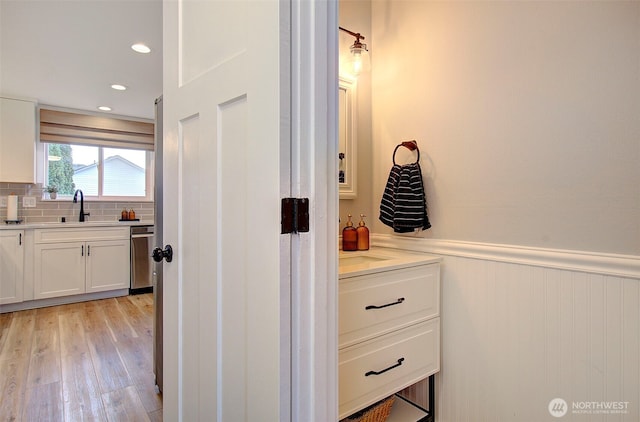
(359, 53)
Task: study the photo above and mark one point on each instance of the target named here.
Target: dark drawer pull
(399, 301)
(385, 370)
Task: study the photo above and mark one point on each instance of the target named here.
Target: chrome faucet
(75, 200)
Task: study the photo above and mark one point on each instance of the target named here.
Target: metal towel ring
(411, 146)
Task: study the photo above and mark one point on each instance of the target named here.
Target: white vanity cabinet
(17, 140)
(11, 266)
(389, 329)
(78, 260)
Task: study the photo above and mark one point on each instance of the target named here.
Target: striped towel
(404, 204)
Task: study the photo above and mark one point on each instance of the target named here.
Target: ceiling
(69, 53)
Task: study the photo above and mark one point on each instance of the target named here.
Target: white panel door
(221, 95)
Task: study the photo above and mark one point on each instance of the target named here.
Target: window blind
(82, 129)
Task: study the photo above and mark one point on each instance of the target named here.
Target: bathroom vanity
(389, 328)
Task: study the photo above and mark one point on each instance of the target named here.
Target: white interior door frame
(314, 255)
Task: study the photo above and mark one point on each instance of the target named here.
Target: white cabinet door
(107, 265)
(11, 266)
(17, 140)
(59, 269)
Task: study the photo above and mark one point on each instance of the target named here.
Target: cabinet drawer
(412, 354)
(80, 234)
(412, 295)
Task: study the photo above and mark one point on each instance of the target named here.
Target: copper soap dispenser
(349, 236)
(363, 235)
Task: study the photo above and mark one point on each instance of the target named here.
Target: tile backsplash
(50, 211)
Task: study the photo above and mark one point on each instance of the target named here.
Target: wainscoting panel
(517, 335)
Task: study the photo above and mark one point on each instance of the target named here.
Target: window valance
(83, 129)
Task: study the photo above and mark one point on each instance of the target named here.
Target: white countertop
(351, 264)
(74, 224)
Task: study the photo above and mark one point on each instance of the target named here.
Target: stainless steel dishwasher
(141, 262)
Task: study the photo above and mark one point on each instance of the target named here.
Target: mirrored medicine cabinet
(347, 139)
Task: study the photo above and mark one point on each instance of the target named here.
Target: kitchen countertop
(356, 263)
(75, 224)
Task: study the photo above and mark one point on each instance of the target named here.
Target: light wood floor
(89, 361)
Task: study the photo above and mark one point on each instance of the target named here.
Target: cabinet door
(59, 269)
(17, 140)
(107, 265)
(11, 266)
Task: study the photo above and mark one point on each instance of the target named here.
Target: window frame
(149, 176)
(81, 119)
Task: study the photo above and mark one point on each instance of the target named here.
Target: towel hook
(410, 145)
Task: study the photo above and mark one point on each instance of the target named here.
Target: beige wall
(527, 114)
(355, 15)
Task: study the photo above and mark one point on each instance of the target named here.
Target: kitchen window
(109, 159)
(101, 173)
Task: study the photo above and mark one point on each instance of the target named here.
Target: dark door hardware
(399, 301)
(294, 215)
(386, 369)
(159, 254)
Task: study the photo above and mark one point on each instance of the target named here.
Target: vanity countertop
(356, 263)
(75, 224)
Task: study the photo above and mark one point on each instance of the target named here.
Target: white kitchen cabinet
(59, 269)
(76, 261)
(107, 265)
(11, 266)
(389, 330)
(17, 140)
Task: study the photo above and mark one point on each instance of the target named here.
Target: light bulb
(359, 59)
(357, 63)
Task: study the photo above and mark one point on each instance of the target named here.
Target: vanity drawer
(412, 354)
(411, 295)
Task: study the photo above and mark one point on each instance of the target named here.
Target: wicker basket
(377, 412)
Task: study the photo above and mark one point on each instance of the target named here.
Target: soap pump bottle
(363, 235)
(349, 236)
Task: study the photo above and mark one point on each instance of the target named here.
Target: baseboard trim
(62, 300)
(590, 262)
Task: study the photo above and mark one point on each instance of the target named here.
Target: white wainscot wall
(522, 326)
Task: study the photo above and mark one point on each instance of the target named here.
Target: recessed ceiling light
(118, 87)
(104, 108)
(141, 48)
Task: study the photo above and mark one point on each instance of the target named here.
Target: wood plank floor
(89, 361)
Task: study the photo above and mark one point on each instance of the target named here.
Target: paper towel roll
(12, 207)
